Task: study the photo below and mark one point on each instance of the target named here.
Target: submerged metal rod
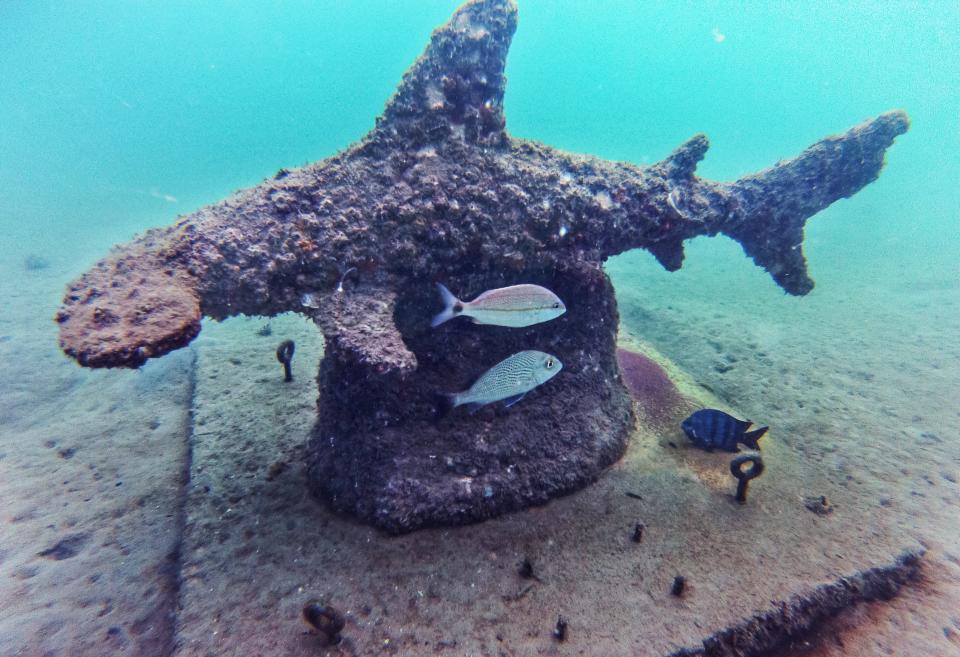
(285, 356)
(744, 477)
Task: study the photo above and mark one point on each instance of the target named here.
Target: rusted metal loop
(285, 351)
(756, 469)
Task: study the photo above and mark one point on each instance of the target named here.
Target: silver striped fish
(508, 380)
(516, 306)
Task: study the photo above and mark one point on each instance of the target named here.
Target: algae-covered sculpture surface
(438, 191)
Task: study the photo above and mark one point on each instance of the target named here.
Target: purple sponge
(650, 386)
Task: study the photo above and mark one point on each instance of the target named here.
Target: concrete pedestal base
(379, 452)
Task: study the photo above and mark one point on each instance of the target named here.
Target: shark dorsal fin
(455, 89)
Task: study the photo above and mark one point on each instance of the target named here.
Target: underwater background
(119, 116)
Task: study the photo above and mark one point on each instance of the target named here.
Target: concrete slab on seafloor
(859, 400)
(92, 467)
(257, 547)
(107, 583)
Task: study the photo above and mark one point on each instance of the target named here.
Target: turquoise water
(120, 116)
(117, 116)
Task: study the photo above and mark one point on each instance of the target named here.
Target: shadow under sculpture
(438, 191)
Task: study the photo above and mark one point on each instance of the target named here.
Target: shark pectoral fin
(668, 253)
(363, 326)
(510, 401)
(776, 244)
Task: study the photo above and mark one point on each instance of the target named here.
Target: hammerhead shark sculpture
(437, 181)
(438, 190)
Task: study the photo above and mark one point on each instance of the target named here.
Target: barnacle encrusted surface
(439, 191)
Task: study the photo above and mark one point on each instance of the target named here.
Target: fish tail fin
(751, 438)
(451, 306)
(445, 402)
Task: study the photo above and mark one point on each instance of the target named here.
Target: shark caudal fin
(451, 306)
(751, 438)
(455, 89)
(771, 208)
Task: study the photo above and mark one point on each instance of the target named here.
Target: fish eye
(549, 363)
(556, 304)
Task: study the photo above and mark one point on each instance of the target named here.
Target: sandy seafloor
(861, 380)
(138, 513)
(114, 541)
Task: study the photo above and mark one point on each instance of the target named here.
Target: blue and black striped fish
(711, 429)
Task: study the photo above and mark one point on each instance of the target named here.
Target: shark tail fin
(770, 208)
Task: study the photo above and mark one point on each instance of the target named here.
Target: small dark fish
(711, 429)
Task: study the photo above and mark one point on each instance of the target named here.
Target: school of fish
(512, 378)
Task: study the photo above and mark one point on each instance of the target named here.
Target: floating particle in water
(169, 198)
(34, 262)
(718, 36)
(563, 231)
